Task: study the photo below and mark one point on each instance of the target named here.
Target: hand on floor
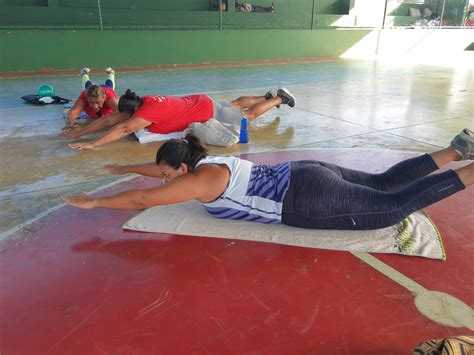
(81, 146)
(70, 134)
(81, 201)
(72, 127)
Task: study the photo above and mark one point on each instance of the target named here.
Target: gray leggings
(327, 196)
(226, 114)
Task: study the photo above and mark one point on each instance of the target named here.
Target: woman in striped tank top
(307, 194)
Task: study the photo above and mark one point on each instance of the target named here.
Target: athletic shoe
(464, 144)
(270, 95)
(84, 70)
(286, 97)
(109, 70)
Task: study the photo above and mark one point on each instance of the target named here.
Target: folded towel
(145, 136)
(211, 132)
(415, 235)
(216, 133)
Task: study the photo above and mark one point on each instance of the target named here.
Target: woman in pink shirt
(95, 101)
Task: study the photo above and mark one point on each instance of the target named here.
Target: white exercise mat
(415, 236)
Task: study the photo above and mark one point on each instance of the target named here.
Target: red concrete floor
(75, 283)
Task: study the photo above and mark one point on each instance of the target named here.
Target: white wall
(441, 47)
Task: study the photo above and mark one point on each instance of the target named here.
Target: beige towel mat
(415, 236)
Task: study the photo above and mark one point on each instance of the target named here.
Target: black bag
(36, 100)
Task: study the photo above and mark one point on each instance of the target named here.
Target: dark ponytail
(177, 151)
(129, 102)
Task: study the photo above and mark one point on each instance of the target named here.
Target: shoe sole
(467, 137)
(463, 143)
(82, 71)
(288, 93)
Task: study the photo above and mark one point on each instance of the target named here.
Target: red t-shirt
(106, 110)
(169, 114)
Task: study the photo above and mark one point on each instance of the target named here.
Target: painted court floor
(73, 282)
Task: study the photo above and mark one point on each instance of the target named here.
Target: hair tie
(185, 140)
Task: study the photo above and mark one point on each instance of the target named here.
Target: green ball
(45, 90)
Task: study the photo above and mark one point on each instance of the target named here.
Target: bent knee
(236, 103)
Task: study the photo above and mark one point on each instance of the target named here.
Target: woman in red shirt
(94, 101)
(167, 114)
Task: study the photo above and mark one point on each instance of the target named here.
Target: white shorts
(226, 114)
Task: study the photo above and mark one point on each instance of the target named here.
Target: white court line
(16, 108)
(440, 307)
(8, 233)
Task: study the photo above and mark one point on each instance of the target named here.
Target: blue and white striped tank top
(254, 193)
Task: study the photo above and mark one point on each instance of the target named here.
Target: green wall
(60, 50)
(64, 34)
(81, 14)
(321, 6)
(188, 5)
(83, 18)
(23, 3)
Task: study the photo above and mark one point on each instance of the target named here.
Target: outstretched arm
(205, 185)
(97, 125)
(118, 131)
(74, 112)
(146, 169)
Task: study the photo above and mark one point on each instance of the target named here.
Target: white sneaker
(84, 70)
(109, 70)
(463, 143)
(286, 97)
